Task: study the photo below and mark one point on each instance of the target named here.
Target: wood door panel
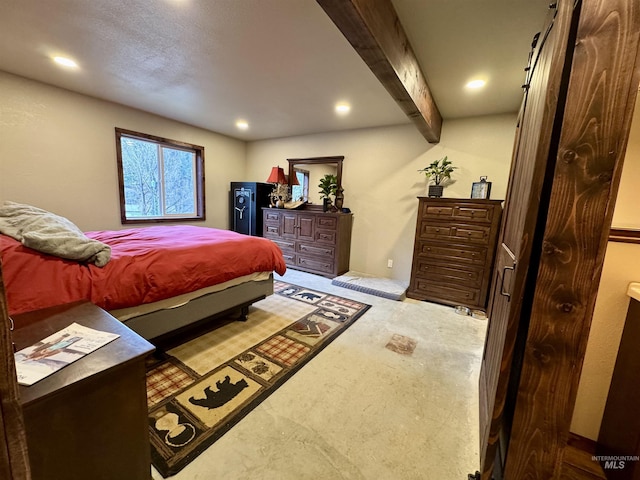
(591, 144)
(498, 351)
(289, 224)
(306, 227)
(572, 134)
(522, 206)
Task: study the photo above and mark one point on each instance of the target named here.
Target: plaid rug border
(167, 460)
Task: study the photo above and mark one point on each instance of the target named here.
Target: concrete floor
(361, 411)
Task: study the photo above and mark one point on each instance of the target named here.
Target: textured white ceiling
(279, 64)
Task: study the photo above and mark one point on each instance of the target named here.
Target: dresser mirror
(308, 172)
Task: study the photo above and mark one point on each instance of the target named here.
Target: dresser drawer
(448, 273)
(290, 259)
(474, 212)
(317, 250)
(271, 216)
(454, 295)
(459, 212)
(319, 265)
(271, 229)
(326, 236)
(326, 222)
(285, 246)
(457, 255)
(477, 234)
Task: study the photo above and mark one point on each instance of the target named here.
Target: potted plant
(328, 186)
(437, 172)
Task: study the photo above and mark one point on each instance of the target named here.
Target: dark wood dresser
(313, 241)
(454, 250)
(89, 419)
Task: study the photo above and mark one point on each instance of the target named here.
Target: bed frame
(161, 326)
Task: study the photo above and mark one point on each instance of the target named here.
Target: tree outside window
(160, 180)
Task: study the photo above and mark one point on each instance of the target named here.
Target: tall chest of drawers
(454, 249)
(313, 241)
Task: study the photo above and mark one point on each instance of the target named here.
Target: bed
(158, 280)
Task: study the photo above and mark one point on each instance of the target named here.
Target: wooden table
(89, 419)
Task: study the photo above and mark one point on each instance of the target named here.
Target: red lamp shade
(277, 176)
(294, 180)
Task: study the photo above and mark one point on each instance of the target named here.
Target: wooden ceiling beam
(374, 30)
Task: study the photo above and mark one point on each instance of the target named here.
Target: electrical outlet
(389, 263)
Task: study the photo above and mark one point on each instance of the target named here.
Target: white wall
(58, 152)
(381, 180)
(621, 266)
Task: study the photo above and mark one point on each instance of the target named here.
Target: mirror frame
(334, 160)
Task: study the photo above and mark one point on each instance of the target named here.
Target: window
(300, 191)
(160, 180)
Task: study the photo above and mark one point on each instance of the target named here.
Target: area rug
(201, 389)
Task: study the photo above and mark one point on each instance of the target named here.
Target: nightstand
(89, 419)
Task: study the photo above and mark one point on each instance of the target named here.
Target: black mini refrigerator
(246, 200)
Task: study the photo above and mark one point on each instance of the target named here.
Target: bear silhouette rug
(200, 389)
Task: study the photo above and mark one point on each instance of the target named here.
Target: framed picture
(481, 189)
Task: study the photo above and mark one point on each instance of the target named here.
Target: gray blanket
(50, 233)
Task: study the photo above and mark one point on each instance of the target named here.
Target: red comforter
(147, 264)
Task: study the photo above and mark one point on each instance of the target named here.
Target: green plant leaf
(438, 170)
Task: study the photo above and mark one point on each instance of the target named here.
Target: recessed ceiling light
(343, 108)
(475, 84)
(65, 62)
(242, 124)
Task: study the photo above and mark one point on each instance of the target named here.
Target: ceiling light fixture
(65, 62)
(476, 84)
(242, 124)
(343, 108)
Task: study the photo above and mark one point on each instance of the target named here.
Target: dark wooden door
(572, 135)
(537, 120)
